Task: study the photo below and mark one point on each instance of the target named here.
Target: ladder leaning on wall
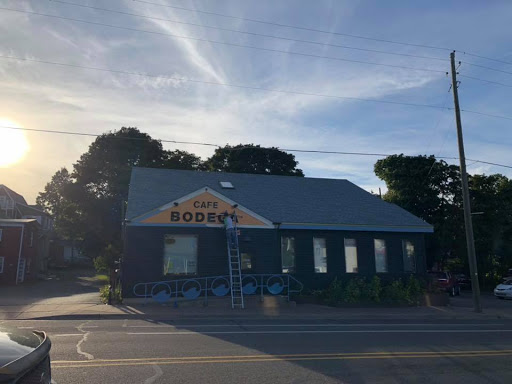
(235, 271)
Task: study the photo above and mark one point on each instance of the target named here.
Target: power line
(252, 33)
(487, 58)
(486, 81)
(295, 27)
(485, 67)
(249, 87)
(225, 84)
(486, 114)
(224, 43)
(235, 149)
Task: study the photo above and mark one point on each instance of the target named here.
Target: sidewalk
(155, 311)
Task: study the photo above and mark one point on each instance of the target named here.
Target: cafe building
(315, 229)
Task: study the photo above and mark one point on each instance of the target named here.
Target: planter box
(435, 299)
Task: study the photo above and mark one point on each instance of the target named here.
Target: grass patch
(102, 278)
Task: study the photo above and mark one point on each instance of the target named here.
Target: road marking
(83, 340)
(67, 334)
(307, 325)
(338, 354)
(188, 333)
(277, 358)
(158, 373)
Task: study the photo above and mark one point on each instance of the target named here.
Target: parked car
(24, 356)
(446, 281)
(508, 275)
(504, 290)
(463, 281)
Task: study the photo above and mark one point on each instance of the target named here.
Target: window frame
(196, 255)
(1, 234)
(386, 261)
(2, 263)
(405, 254)
(345, 251)
(249, 254)
(294, 266)
(314, 255)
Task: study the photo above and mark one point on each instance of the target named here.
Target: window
(320, 254)
(288, 254)
(245, 261)
(351, 256)
(381, 257)
(2, 264)
(1, 233)
(226, 185)
(2, 202)
(180, 255)
(31, 240)
(409, 256)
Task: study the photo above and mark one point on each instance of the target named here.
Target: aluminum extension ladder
(235, 273)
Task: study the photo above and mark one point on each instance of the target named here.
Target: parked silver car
(504, 290)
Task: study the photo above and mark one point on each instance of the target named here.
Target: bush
(333, 294)
(373, 290)
(395, 292)
(116, 294)
(353, 290)
(414, 290)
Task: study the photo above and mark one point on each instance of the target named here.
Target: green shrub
(116, 294)
(333, 294)
(395, 292)
(414, 290)
(352, 291)
(373, 290)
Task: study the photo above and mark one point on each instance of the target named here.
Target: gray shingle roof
(280, 199)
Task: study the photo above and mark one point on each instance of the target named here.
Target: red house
(18, 250)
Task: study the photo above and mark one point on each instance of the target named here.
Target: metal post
(473, 269)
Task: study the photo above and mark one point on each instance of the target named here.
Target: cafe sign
(204, 207)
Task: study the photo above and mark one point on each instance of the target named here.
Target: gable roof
(31, 210)
(15, 196)
(281, 199)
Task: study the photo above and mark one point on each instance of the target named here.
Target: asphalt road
(278, 351)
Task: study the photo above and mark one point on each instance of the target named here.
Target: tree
(56, 200)
(178, 159)
(87, 204)
(252, 158)
(430, 189)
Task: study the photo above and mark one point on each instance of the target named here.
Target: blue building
(314, 229)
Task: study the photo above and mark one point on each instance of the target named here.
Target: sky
(192, 106)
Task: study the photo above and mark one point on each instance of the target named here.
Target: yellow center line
(267, 358)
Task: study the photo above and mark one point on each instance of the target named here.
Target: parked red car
(446, 281)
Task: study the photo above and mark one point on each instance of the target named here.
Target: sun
(13, 143)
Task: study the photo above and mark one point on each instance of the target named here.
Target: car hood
(504, 286)
(16, 343)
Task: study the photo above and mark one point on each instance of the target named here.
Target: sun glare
(13, 143)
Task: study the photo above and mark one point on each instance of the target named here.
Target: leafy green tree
(430, 189)
(252, 158)
(178, 159)
(88, 203)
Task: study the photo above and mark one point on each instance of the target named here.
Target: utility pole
(473, 269)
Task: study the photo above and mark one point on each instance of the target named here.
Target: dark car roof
(16, 343)
(280, 199)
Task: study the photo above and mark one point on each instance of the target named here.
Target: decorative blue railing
(217, 286)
